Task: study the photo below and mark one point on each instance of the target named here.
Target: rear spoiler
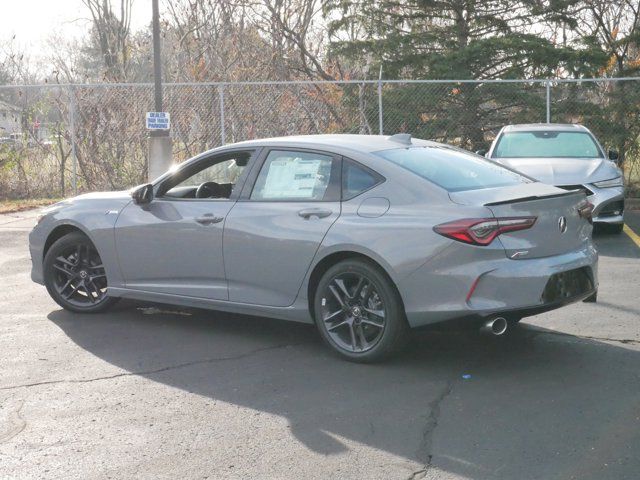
(535, 197)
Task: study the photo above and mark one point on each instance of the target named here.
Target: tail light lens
(482, 231)
(585, 210)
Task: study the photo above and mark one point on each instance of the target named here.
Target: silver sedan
(569, 157)
(364, 236)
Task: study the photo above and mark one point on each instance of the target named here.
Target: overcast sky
(33, 21)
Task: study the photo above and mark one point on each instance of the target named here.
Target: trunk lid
(559, 228)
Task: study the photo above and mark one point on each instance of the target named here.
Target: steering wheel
(207, 190)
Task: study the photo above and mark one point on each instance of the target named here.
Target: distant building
(9, 119)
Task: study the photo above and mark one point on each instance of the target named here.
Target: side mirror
(482, 152)
(143, 194)
(613, 155)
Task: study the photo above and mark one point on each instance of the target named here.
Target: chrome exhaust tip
(495, 326)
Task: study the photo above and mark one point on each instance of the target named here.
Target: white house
(9, 119)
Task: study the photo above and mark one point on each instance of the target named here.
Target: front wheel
(359, 312)
(615, 228)
(75, 276)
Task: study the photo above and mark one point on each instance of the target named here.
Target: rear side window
(357, 179)
(453, 169)
(292, 175)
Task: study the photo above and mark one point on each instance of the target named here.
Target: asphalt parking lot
(157, 392)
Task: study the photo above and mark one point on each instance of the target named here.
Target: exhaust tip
(495, 326)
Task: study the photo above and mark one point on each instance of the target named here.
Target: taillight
(585, 210)
(482, 231)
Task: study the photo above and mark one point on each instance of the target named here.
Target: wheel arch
(60, 231)
(333, 258)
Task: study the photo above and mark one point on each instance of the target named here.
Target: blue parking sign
(158, 121)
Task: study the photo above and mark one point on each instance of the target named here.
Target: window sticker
(292, 178)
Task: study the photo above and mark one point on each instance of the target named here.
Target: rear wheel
(359, 313)
(75, 276)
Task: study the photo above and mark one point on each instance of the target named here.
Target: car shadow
(617, 244)
(538, 404)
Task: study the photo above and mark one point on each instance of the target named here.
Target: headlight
(613, 182)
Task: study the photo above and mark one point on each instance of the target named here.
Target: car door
(274, 230)
(173, 245)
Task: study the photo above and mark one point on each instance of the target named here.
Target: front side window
(290, 175)
(214, 178)
(546, 144)
(452, 169)
(227, 171)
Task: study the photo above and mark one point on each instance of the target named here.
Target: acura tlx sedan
(569, 157)
(365, 236)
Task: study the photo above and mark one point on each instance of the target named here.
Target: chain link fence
(56, 140)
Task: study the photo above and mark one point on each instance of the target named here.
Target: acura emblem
(562, 224)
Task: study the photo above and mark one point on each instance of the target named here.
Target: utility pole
(159, 141)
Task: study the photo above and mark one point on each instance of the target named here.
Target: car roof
(336, 142)
(554, 127)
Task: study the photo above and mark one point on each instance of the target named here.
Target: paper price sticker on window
(292, 178)
(158, 121)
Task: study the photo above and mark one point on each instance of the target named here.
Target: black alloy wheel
(358, 311)
(75, 275)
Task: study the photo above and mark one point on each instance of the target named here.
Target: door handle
(307, 213)
(208, 219)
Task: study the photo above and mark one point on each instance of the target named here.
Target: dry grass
(10, 206)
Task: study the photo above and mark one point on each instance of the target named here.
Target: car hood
(101, 199)
(120, 195)
(564, 171)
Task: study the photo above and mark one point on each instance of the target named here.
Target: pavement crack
(626, 341)
(425, 452)
(157, 370)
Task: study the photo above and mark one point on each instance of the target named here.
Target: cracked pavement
(173, 393)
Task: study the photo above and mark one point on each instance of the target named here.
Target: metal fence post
(72, 128)
(380, 111)
(221, 98)
(548, 101)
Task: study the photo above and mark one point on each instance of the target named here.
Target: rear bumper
(478, 290)
(476, 320)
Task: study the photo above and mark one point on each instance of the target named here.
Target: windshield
(452, 169)
(547, 144)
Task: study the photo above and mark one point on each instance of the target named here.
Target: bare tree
(112, 33)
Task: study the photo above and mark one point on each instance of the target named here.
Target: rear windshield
(452, 169)
(546, 144)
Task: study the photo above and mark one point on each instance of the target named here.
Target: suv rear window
(453, 169)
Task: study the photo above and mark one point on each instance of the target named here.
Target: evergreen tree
(459, 39)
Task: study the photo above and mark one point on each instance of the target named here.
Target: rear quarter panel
(402, 240)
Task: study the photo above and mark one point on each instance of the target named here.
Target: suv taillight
(482, 231)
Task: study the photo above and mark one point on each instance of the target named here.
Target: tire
(615, 228)
(359, 313)
(74, 276)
